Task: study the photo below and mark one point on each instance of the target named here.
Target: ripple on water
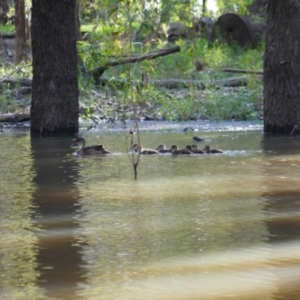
(200, 227)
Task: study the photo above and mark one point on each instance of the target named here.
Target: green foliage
(7, 28)
(7, 103)
(236, 6)
(114, 31)
(243, 104)
(227, 104)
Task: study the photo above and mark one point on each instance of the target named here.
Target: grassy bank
(197, 60)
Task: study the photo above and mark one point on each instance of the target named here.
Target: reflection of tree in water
(17, 241)
(56, 196)
(282, 210)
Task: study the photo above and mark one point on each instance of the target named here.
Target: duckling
(163, 149)
(198, 139)
(176, 151)
(139, 148)
(90, 150)
(194, 150)
(207, 149)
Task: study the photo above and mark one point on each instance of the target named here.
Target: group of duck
(174, 150)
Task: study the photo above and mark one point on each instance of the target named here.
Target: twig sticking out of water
(293, 131)
(135, 158)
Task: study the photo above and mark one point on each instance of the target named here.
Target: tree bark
(55, 103)
(20, 31)
(282, 67)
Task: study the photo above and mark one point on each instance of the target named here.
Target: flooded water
(223, 226)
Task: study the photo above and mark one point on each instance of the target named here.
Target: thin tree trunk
(20, 31)
(203, 7)
(282, 67)
(55, 104)
(4, 8)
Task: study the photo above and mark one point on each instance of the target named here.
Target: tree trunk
(4, 8)
(20, 31)
(203, 7)
(282, 67)
(55, 104)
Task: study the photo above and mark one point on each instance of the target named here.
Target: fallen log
(97, 73)
(16, 81)
(179, 83)
(184, 83)
(6, 35)
(166, 83)
(229, 70)
(14, 118)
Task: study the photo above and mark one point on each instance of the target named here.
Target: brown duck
(138, 148)
(209, 150)
(90, 150)
(176, 151)
(194, 150)
(163, 149)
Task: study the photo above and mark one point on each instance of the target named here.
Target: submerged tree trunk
(54, 108)
(282, 67)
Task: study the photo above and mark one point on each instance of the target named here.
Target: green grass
(7, 103)
(244, 103)
(7, 28)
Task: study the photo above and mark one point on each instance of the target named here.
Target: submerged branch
(135, 159)
(293, 131)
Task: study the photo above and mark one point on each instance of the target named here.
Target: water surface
(201, 227)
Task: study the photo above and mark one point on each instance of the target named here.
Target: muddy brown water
(201, 227)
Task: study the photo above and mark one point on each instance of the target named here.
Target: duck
(207, 149)
(176, 151)
(90, 150)
(144, 151)
(187, 129)
(194, 150)
(163, 149)
(198, 139)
